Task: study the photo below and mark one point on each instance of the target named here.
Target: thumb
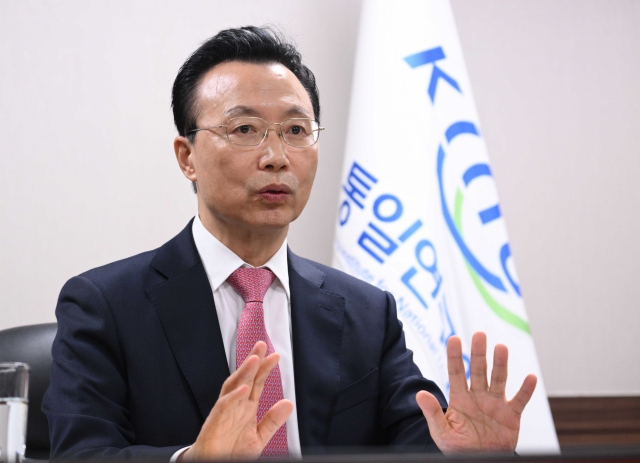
(432, 411)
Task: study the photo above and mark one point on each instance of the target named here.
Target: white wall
(89, 174)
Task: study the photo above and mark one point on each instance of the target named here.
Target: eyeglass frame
(266, 132)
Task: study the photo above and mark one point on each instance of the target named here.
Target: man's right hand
(231, 430)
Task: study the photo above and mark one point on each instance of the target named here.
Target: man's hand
(479, 418)
(231, 429)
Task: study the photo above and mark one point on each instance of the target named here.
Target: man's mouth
(275, 193)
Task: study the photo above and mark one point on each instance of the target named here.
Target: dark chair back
(32, 345)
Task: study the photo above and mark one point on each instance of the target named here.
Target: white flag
(419, 213)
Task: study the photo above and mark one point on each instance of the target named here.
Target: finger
(259, 349)
(266, 367)
(243, 375)
(455, 365)
(228, 401)
(239, 394)
(432, 411)
(521, 399)
(274, 419)
(478, 367)
(499, 371)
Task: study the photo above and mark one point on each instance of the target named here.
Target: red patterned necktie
(252, 284)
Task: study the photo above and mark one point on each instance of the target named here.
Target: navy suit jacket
(138, 360)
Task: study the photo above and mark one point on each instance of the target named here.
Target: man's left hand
(479, 417)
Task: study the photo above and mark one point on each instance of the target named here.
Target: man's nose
(275, 153)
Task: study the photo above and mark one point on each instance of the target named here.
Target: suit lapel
(316, 325)
(184, 304)
(185, 307)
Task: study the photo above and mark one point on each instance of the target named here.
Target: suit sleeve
(401, 421)
(86, 403)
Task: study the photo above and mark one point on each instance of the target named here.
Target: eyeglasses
(251, 131)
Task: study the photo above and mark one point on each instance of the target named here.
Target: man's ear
(184, 150)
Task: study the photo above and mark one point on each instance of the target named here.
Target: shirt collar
(220, 262)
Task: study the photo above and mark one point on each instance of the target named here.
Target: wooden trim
(594, 421)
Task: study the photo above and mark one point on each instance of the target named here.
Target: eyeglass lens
(250, 131)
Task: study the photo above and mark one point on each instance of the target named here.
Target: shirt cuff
(175, 456)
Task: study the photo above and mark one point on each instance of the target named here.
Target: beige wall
(557, 86)
(88, 173)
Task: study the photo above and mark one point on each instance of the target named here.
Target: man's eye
(297, 130)
(244, 129)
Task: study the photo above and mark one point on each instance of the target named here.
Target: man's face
(251, 187)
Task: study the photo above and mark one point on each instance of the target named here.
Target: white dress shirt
(219, 263)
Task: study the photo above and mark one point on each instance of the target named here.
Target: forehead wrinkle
(243, 110)
(297, 111)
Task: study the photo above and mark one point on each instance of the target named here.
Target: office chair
(31, 344)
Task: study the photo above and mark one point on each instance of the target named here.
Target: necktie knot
(251, 283)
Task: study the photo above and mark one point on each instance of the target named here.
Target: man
(223, 343)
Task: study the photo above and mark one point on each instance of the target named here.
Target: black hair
(260, 45)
